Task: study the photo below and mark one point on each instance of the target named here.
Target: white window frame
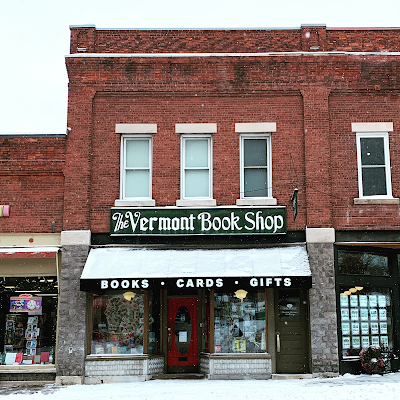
(385, 136)
(185, 138)
(124, 140)
(250, 136)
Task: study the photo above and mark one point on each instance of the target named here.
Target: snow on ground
(360, 387)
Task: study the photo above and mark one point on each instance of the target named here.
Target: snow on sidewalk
(354, 387)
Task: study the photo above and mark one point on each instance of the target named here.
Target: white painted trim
(196, 128)
(196, 203)
(320, 235)
(257, 202)
(134, 203)
(372, 126)
(75, 238)
(255, 127)
(135, 128)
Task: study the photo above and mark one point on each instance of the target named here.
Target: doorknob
(169, 339)
(278, 342)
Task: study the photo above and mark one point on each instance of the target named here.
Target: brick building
(224, 202)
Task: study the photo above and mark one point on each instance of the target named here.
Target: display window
(28, 320)
(239, 324)
(365, 319)
(118, 323)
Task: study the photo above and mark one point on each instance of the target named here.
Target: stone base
(114, 379)
(69, 380)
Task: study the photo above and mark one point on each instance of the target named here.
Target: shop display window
(239, 325)
(118, 323)
(362, 263)
(365, 318)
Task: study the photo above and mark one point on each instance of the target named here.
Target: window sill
(134, 203)
(376, 201)
(257, 202)
(196, 203)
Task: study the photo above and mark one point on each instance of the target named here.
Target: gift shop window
(239, 323)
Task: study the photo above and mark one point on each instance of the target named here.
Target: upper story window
(255, 163)
(136, 164)
(374, 180)
(196, 164)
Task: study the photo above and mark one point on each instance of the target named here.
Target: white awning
(159, 265)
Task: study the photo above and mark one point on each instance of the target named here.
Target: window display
(118, 323)
(239, 325)
(365, 319)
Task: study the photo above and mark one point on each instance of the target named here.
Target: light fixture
(129, 295)
(359, 287)
(240, 294)
(352, 290)
(347, 292)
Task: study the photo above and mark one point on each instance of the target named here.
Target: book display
(239, 326)
(365, 319)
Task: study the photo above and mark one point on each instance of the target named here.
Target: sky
(354, 387)
(34, 39)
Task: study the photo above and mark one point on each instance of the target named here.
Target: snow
(354, 387)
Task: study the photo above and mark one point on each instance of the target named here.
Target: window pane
(374, 181)
(357, 263)
(255, 152)
(196, 153)
(118, 325)
(372, 151)
(137, 183)
(255, 183)
(197, 183)
(365, 318)
(239, 326)
(137, 153)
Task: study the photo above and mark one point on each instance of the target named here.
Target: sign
(211, 221)
(217, 283)
(30, 304)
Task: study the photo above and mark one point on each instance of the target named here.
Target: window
(374, 165)
(136, 168)
(196, 175)
(255, 166)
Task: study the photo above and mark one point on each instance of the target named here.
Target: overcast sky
(34, 37)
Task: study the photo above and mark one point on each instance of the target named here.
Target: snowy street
(353, 387)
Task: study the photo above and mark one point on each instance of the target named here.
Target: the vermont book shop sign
(211, 221)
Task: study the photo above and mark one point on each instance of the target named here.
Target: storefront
(228, 312)
(29, 303)
(368, 301)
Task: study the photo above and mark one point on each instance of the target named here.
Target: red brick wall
(32, 183)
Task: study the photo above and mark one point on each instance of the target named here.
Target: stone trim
(257, 202)
(196, 203)
(196, 128)
(320, 235)
(73, 238)
(134, 203)
(376, 201)
(372, 126)
(255, 127)
(135, 128)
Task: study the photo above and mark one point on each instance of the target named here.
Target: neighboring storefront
(367, 281)
(215, 309)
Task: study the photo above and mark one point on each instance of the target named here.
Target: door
(182, 335)
(291, 313)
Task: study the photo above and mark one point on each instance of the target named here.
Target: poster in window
(375, 340)
(383, 328)
(345, 314)
(382, 314)
(374, 328)
(373, 300)
(364, 328)
(373, 312)
(354, 314)
(355, 328)
(344, 300)
(382, 301)
(346, 342)
(363, 300)
(365, 341)
(385, 340)
(345, 328)
(353, 300)
(356, 342)
(364, 314)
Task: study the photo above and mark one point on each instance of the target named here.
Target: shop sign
(211, 221)
(217, 283)
(26, 304)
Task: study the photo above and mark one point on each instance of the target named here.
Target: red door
(182, 335)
